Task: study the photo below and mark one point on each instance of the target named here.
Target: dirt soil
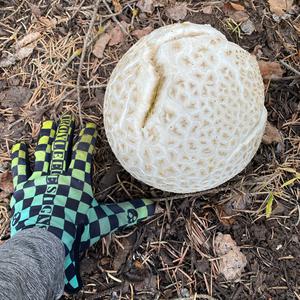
(173, 255)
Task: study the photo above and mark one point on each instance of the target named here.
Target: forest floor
(173, 255)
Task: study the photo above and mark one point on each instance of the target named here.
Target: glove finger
(43, 149)
(61, 145)
(19, 165)
(106, 218)
(81, 162)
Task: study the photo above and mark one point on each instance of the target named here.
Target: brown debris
(271, 135)
(8, 61)
(207, 10)
(229, 209)
(270, 70)
(121, 257)
(24, 49)
(15, 97)
(147, 6)
(238, 15)
(6, 182)
(139, 33)
(237, 6)
(177, 12)
(101, 44)
(116, 36)
(117, 6)
(280, 7)
(28, 39)
(47, 23)
(36, 11)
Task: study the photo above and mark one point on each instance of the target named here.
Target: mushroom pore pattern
(184, 108)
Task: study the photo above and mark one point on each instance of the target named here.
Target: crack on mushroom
(161, 77)
(156, 90)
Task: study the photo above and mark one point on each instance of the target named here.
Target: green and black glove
(58, 194)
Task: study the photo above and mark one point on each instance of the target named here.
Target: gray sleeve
(32, 266)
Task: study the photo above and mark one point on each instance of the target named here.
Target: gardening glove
(58, 196)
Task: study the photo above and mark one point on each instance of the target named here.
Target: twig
(69, 85)
(286, 78)
(114, 18)
(290, 67)
(83, 56)
(97, 34)
(78, 8)
(15, 11)
(65, 65)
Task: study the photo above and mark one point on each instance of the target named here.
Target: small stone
(248, 27)
(185, 293)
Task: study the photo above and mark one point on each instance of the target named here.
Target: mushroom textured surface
(184, 108)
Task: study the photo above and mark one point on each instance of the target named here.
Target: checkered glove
(58, 196)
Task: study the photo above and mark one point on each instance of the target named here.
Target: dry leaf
(15, 97)
(24, 48)
(271, 135)
(28, 39)
(25, 51)
(20, 54)
(235, 202)
(177, 12)
(149, 283)
(145, 6)
(223, 217)
(117, 36)
(207, 10)
(7, 61)
(48, 23)
(232, 261)
(257, 51)
(4, 197)
(148, 6)
(237, 6)
(279, 7)
(6, 182)
(139, 33)
(121, 257)
(117, 6)
(35, 10)
(237, 15)
(101, 44)
(270, 70)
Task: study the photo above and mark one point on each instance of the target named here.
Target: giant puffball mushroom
(184, 108)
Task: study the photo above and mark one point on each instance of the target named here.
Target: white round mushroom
(184, 108)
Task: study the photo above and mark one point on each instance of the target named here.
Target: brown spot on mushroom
(199, 75)
(176, 45)
(148, 168)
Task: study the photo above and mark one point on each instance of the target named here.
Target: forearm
(32, 266)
